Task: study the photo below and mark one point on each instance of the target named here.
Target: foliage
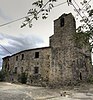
(44, 9)
(22, 78)
(86, 20)
(90, 79)
(2, 76)
(84, 31)
(81, 39)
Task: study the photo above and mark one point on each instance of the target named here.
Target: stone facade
(35, 63)
(62, 63)
(69, 63)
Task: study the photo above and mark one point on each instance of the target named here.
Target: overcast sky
(15, 39)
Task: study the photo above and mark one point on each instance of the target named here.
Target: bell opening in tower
(62, 22)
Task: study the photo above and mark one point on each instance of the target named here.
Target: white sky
(14, 38)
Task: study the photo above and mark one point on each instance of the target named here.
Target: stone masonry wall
(63, 63)
(68, 61)
(28, 63)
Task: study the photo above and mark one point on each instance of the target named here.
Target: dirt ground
(10, 91)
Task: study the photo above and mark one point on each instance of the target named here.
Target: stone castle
(62, 63)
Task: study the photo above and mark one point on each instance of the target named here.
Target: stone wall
(63, 63)
(68, 62)
(36, 66)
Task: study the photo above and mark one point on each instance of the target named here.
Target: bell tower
(64, 28)
(62, 49)
(69, 63)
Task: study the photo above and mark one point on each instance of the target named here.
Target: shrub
(22, 78)
(2, 76)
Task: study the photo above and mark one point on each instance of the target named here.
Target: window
(80, 76)
(48, 56)
(36, 70)
(62, 22)
(36, 54)
(5, 66)
(22, 69)
(8, 67)
(22, 56)
(15, 71)
(16, 58)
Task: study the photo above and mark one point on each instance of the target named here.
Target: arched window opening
(62, 22)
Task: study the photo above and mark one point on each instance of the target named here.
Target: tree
(85, 30)
(40, 8)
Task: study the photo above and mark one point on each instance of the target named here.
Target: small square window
(36, 70)
(36, 54)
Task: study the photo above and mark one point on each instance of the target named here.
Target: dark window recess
(80, 76)
(16, 58)
(22, 69)
(15, 71)
(5, 66)
(22, 56)
(36, 70)
(62, 22)
(48, 56)
(8, 67)
(36, 54)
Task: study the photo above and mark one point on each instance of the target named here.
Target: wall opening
(80, 76)
(16, 58)
(62, 22)
(5, 66)
(36, 70)
(36, 54)
(22, 56)
(21, 69)
(15, 71)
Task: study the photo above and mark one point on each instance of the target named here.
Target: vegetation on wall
(2, 76)
(90, 79)
(82, 39)
(22, 78)
(84, 34)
